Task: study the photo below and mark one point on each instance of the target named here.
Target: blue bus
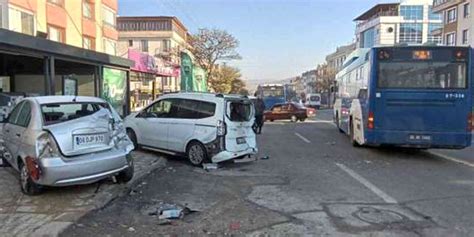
(417, 96)
(272, 94)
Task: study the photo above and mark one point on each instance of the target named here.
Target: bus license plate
(421, 138)
(241, 140)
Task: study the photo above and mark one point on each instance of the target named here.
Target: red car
(292, 111)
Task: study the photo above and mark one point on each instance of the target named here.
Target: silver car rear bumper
(84, 169)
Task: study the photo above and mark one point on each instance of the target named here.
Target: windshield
(315, 98)
(422, 75)
(273, 92)
(54, 113)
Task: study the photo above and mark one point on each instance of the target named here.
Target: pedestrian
(259, 110)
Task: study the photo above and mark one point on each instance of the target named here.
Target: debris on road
(234, 226)
(131, 229)
(210, 166)
(265, 158)
(331, 143)
(168, 211)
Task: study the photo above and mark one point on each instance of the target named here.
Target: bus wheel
(353, 140)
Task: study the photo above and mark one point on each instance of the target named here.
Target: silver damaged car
(65, 140)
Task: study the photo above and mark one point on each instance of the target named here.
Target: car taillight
(221, 128)
(46, 146)
(345, 112)
(470, 122)
(370, 121)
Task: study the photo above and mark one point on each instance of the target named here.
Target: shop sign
(143, 62)
(114, 88)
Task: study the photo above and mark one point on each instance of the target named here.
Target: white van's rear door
(239, 118)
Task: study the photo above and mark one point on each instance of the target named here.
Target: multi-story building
(88, 24)
(458, 21)
(408, 22)
(309, 81)
(164, 39)
(335, 60)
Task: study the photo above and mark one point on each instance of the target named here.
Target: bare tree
(326, 77)
(209, 47)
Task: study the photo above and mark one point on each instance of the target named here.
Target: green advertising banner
(114, 88)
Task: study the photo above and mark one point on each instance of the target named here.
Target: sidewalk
(51, 212)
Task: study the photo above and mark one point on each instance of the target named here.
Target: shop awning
(14, 42)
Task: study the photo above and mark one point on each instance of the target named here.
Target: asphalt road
(315, 183)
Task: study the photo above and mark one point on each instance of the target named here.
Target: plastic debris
(265, 158)
(175, 213)
(210, 166)
(131, 229)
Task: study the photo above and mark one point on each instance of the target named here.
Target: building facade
(458, 28)
(336, 60)
(88, 24)
(309, 81)
(408, 22)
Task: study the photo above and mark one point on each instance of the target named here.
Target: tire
(133, 137)
(196, 153)
(27, 185)
(353, 141)
(294, 119)
(271, 120)
(302, 119)
(126, 175)
(337, 124)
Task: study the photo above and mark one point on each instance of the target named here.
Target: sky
(278, 39)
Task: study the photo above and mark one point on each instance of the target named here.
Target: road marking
(368, 184)
(302, 138)
(325, 121)
(446, 157)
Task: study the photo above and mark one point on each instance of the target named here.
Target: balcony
(440, 5)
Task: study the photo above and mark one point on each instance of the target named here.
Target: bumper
(419, 139)
(83, 169)
(228, 155)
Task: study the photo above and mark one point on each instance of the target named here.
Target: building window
(451, 39)
(108, 16)
(55, 34)
(411, 12)
(21, 21)
(434, 16)
(110, 46)
(411, 33)
(144, 45)
(87, 9)
(166, 45)
(467, 10)
(465, 36)
(88, 43)
(451, 15)
(368, 38)
(57, 2)
(434, 38)
(130, 43)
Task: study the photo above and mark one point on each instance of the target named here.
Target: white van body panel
(310, 102)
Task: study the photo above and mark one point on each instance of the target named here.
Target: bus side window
(362, 94)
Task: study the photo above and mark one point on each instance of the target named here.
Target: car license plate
(88, 140)
(241, 140)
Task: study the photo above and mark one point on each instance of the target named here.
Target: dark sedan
(292, 111)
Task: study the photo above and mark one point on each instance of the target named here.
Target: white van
(202, 126)
(313, 100)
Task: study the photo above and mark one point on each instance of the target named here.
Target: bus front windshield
(273, 92)
(422, 75)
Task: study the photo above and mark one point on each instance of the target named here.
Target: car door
(153, 131)
(276, 112)
(181, 121)
(285, 111)
(15, 129)
(8, 133)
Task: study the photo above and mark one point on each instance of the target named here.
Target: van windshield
(239, 111)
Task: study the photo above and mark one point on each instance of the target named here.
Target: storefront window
(114, 88)
(141, 90)
(22, 75)
(72, 78)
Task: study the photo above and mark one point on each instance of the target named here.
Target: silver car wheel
(196, 154)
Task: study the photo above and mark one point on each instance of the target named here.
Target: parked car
(65, 140)
(204, 127)
(292, 111)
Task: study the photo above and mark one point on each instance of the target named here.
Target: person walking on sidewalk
(259, 110)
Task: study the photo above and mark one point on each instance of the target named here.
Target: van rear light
(470, 122)
(370, 121)
(221, 128)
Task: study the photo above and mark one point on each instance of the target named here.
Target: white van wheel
(196, 153)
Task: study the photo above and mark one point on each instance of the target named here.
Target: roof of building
(341, 50)
(374, 10)
(148, 18)
(14, 41)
